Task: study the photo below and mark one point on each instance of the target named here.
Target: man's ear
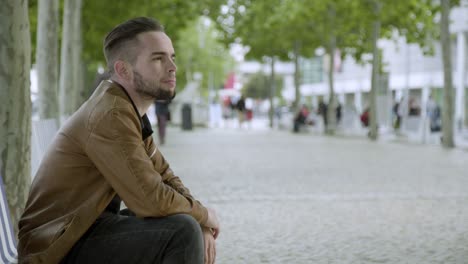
(123, 69)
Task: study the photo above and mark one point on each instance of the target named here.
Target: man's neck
(141, 104)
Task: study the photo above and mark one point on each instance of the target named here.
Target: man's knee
(187, 225)
(188, 238)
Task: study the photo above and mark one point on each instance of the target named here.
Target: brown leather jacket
(101, 151)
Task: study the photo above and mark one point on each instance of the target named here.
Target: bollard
(186, 117)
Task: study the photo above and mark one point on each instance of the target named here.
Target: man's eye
(157, 58)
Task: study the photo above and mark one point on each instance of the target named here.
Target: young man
(105, 154)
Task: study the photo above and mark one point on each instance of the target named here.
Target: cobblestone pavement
(284, 198)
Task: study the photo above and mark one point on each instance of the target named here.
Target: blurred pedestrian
(396, 110)
(240, 106)
(365, 117)
(433, 113)
(322, 110)
(163, 115)
(227, 110)
(249, 105)
(301, 118)
(338, 113)
(414, 108)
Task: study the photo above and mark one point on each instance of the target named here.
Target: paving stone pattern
(286, 198)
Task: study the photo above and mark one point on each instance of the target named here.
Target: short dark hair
(118, 43)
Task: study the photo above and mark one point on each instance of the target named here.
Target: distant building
(411, 75)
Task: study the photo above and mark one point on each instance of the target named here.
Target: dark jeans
(115, 238)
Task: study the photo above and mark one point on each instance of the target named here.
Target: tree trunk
(15, 107)
(69, 63)
(297, 98)
(271, 113)
(79, 66)
(47, 58)
(447, 110)
(331, 114)
(373, 129)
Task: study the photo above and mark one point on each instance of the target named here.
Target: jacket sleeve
(163, 168)
(117, 150)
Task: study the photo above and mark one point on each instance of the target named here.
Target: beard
(151, 89)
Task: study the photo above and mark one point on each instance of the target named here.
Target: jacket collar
(145, 124)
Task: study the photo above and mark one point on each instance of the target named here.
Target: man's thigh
(126, 239)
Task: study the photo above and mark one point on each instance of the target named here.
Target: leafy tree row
(287, 29)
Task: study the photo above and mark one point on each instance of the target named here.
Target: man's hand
(212, 223)
(210, 245)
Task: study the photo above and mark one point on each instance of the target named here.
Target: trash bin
(186, 117)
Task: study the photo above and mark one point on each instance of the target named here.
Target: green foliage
(199, 50)
(99, 17)
(413, 19)
(33, 10)
(258, 86)
(270, 28)
(252, 23)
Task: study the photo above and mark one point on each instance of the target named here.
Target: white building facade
(411, 75)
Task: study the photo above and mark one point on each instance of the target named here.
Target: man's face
(154, 72)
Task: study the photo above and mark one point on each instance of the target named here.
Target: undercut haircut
(121, 43)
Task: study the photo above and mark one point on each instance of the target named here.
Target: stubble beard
(151, 90)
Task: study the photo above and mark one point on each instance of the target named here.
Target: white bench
(43, 132)
(8, 252)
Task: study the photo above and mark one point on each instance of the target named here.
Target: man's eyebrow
(161, 53)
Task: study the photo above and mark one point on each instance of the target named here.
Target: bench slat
(8, 252)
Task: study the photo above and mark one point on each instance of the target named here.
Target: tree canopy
(201, 51)
(258, 86)
(99, 17)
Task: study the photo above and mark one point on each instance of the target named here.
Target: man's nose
(172, 66)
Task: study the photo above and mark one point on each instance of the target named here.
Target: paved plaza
(286, 198)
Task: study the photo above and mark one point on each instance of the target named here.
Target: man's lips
(170, 81)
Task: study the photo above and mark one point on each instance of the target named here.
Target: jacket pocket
(45, 235)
